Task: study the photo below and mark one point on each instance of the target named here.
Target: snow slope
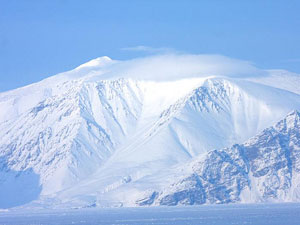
(263, 169)
(280, 79)
(86, 133)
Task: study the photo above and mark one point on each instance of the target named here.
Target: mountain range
(100, 135)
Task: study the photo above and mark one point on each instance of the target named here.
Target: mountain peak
(100, 61)
(291, 121)
(294, 114)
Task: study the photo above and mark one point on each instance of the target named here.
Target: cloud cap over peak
(181, 66)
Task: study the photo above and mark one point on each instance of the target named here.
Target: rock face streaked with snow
(98, 136)
(265, 168)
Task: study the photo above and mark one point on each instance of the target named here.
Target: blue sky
(41, 38)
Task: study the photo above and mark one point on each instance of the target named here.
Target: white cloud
(181, 66)
(142, 48)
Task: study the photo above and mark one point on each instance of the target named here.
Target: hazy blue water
(256, 214)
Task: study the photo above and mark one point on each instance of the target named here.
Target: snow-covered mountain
(85, 136)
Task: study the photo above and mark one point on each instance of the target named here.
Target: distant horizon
(42, 38)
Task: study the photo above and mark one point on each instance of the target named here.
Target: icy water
(256, 214)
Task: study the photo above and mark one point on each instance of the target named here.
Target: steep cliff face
(67, 136)
(263, 169)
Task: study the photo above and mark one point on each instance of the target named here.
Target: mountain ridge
(232, 175)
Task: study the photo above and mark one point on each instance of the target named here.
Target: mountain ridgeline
(266, 168)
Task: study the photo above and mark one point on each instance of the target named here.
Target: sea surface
(238, 214)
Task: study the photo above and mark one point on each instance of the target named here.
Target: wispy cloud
(181, 66)
(148, 49)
